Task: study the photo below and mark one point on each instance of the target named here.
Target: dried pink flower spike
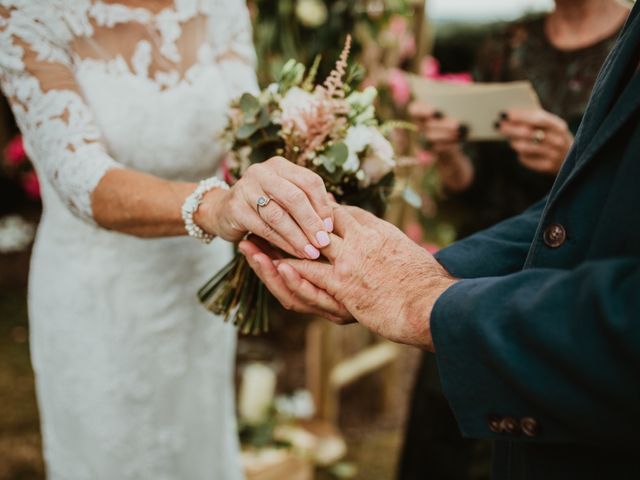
(334, 85)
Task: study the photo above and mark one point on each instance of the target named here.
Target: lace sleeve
(233, 45)
(57, 125)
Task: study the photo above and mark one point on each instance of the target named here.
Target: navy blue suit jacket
(539, 345)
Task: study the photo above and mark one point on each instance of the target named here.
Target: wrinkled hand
(541, 139)
(297, 219)
(291, 290)
(385, 280)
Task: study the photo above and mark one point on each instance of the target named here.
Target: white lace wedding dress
(134, 377)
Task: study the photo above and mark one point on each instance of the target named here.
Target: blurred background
(350, 390)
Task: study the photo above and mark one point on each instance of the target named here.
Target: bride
(120, 103)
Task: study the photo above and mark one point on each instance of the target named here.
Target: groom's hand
(383, 278)
(303, 297)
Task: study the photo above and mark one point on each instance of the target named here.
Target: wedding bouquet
(330, 128)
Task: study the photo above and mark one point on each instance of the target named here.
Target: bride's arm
(66, 146)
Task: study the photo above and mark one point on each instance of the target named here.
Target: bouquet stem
(237, 294)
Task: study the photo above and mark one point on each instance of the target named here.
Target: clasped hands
(373, 274)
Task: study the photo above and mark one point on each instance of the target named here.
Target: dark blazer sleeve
(504, 247)
(561, 346)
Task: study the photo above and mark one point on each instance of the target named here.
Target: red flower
(14, 153)
(31, 185)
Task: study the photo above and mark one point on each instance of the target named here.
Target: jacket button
(554, 235)
(494, 424)
(529, 426)
(510, 425)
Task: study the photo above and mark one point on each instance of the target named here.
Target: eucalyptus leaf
(246, 130)
(249, 105)
(328, 164)
(339, 152)
(263, 119)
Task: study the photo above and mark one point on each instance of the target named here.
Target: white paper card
(477, 105)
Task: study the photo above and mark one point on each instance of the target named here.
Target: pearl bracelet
(192, 203)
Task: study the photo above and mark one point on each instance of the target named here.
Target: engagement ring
(262, 202)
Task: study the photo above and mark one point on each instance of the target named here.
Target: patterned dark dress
(434, 448)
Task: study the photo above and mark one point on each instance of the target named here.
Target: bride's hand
(297, 219)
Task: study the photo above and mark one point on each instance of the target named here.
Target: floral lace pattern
(133, 376)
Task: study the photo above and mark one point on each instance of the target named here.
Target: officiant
(534, 322)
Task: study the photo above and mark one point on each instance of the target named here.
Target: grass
(20, 445)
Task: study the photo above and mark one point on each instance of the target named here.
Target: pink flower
(414, 232)
(430, 68)
(398, 25)
(408, 47)
(31, 185)
(425, 158)
(14, 152)
(399, 85)
(432, 248)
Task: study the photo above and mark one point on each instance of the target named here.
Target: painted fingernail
(463, 131)
(323, 238)
(438, 114)
(496, 125)
(328, 223)
(312, 252)
(504, 116)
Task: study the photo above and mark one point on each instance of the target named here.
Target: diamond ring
(538, 136)
(262, 202)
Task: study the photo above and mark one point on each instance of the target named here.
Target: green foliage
(303, 29)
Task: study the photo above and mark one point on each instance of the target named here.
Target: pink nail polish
(312, 252)
(328, 224)
(323, 238)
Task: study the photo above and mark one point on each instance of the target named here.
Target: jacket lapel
(605, 114)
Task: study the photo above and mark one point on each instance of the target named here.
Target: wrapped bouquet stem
(330, 128)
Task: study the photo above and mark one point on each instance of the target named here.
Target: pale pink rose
(425, 158)
(432, 248)
(298, 107)
(31, 185)
(399, 85)
(414, 232)
(14, 152)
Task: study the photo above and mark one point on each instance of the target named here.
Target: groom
(535, 322)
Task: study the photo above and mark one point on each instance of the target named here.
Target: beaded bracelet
(192, 203)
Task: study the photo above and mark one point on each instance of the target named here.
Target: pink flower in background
(399, 85)
(432, 248)
(398, 25)
(430, 68)
(31, 185)
(14, 152)
(414, 232)
(425, 158)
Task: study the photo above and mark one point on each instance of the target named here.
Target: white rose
(380, 158)
(357, 139)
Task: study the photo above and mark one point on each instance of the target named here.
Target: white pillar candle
(257, 391)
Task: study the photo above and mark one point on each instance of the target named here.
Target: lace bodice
(83, 75)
